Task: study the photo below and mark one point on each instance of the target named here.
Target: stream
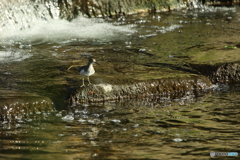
(34, 62)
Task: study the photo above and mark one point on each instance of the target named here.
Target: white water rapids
(27, 22)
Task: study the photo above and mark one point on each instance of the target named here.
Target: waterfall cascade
(36, 22)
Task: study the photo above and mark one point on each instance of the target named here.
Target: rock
(139, 89)
(19, 105)
(229, 72)
(220, 73)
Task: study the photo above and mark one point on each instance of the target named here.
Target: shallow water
(150, 129)
(186, 127)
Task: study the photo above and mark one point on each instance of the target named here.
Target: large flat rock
(160, 87)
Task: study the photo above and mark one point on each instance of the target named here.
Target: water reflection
(130, 129)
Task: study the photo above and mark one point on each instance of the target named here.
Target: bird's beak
(97, 63)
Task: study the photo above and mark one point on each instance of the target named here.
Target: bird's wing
(81, 68)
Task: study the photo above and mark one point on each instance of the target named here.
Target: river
(34, 62)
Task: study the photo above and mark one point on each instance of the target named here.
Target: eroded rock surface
(106, 92)
(220, 73)
(17, 106)
(229, 72)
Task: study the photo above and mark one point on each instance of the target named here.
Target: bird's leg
(89, 83)
(82, 82)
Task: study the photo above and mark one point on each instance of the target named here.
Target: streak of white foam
(13, 56)
(62, 31)
(169, 29)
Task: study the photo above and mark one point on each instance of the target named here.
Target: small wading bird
(87, 70)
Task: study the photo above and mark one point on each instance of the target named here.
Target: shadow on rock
(184, 68)
(220, 73)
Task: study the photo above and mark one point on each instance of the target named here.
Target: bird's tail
(72, 66)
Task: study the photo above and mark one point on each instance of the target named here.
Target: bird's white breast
(89, 72)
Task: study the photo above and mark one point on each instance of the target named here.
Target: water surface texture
(138, 129)
(34, 61)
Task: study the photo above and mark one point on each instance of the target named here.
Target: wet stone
(18, 106)
(108, 92)
(220, 73)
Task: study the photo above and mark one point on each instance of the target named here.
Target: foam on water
(63, 31)
(6, 56)
(28, 24)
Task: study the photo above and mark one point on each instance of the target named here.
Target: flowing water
(35, 54)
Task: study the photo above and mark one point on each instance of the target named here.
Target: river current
(34, 61)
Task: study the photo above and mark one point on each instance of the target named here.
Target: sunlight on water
(35, 122)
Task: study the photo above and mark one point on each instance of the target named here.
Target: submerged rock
(17, 106)
(139, 89)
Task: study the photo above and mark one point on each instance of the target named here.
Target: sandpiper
(87, 70)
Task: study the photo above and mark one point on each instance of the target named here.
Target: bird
(87, 70)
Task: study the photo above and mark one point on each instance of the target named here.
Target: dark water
(187, 127)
